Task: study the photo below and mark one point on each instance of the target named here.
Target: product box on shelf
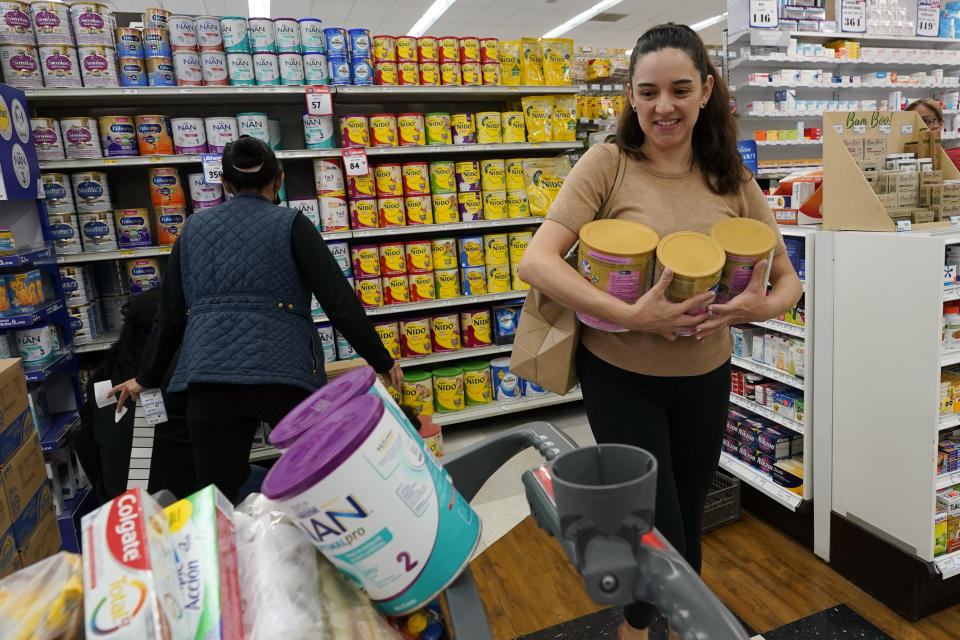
(798, 200)
(24, 475)
(948, 500)
(42, 542)
(789, 474)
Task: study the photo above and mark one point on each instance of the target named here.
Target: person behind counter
(236, 294)
(932, 115)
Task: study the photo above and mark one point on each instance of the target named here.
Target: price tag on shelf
(212, 168)
(355, 162)
(904, 225)
(130, 92)
(763, 14)
(906, 129)
(127, 254)
(157, 159)
(883, 129)
(853, 16)
(184, 90)
(928, 18)
(111, 161)
(859, 129)
(319, 101)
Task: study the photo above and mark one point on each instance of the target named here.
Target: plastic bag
(531, 62)
(544, 177)
(510, 54)
(43, 601)
(352, 615)
(563, 119)
(538, 113)
(557, 60)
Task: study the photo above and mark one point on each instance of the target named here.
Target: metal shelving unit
(760, 481)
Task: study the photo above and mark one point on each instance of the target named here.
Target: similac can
(156, 43)
(240, 69)
(495, 249)
(418, 391)
(337, 42)
(415, 339)
(354, 131)
(366, 261)
(489, 50)
(328, 177)
(132, 72)
(450, 73)
(154, 135)
(389, 332)
(442, 177)
(517, 243)
(385, 73)
(340, 69)
(345, 350)
(370, 292)
(422, 287)
(209, 35)
(494, 205)
(255, 124)
(46, 138)
(415, 180)
(90, 192)
(437, 128)
(396, 289)
(118, 137)
(233, 30)
(408, 73)
(97, 231)
(291, 68)
(515, 282)
(77, 284)
(16, 26)
(51, 23)
(266, 68)
(393, 259)
(311, 36)
(383, 130)
(488, 127)
(517, 205)
(446, 208)
(448, 283)
(133, 228)
(160, 72)
(448, 49)
(219, 132)
(364, 213)
(309, 207)
(384, 49)
(165, 187)
(463, 128)
(513, 128)
(444, 253)
(492, 175)
(169, 221)
(286, 33)
(189, 135)
(498, 278)
(389, 180)
(213, 65)
(60, 66)
(506, 386)
(183, 35)
(697, 263)
(471, 74)
(745, 242)
(514, 178)
(411, 129)
(65, 231)
(419, 256)
(143, 274)
(92, 23)
(448, 389)
(334, 213)
(204, 194)
(419, 210)
(392, 212)
(20, 66)
(361, 186)
(361, 70)
(468, 175)
(318, 131)
(445, 332)
(470, 250)
(57, 193)
(188, 68)
(407, 50)
(490, 73)
(261, 35)
(477, 382)
(475, 328)
(327, 343)
(360, 42)
(156, 18)
(470, 205)
(315, 69)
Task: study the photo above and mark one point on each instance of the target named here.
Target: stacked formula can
(405, 60)
(279, 51)
(349, 56)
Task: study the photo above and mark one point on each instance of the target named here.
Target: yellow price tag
(127, 254)
(111, 161)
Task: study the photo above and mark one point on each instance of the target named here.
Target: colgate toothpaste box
(130, 581)
(205, 550)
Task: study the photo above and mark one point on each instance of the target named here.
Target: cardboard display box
(23, 475)
(42, 542)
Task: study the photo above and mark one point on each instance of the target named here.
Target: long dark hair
(125, 353)
(714, 134)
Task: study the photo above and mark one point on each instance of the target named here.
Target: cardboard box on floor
(849, 202)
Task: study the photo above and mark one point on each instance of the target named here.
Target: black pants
(222, 419)
(681, 422)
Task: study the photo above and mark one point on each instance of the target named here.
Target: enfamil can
(154, 135)
(169, 220)
(133, 228)
(165, 187)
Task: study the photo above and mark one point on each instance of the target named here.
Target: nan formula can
(219, 132)
(183, 35)
(209, 35)
(261, 35)
(315, 69)
(187, 66)
(233, 30)
(291, 68)
(240, 69)
(311, 36)
(287, 35)
(189, 135)
(204, 194)
(266, 68)
(318, 132)
(213, 65)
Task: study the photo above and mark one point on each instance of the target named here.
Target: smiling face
(667, 94)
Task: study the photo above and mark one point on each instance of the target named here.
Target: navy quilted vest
(248, 309)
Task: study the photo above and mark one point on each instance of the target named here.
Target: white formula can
(16, 27)
(309, 207)
(60, 66)
(46, 138)
(327, 342)
(220, 131)
(81, 138)
(261, 35)
(189, 135)
(97, 231)
(318, 131)
(291, 68)
(65, 231)
(203, 195)
(20, 66)
(255, 124)
(334, 213)
(57, 193)
(92, 24)
(37, 345)
(287, 35)
(209, 36)
(183, 36)
(91, 192)
(266, 68)
(240, 69)
(315, 69)
(98, 65)
(51, 23)
(77, 284)
(186, 64)
(83, 323)
(233, 29)
(328, 177)
(311, 36)
(214, 66)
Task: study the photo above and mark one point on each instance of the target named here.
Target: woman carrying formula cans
(647, 386)
(239, 302)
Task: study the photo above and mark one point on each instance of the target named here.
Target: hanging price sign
(355, 162)
(853, 16)
(212, 168)
(319, 102)
(763, 14)
(928, 18)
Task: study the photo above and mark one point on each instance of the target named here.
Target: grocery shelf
(27, 257)
(443, 228)
(159, 95)
(787, 143)
(948, 421)
(768, 413)
(949, 357)
(40, 374)
(498, 408)
(100, 256)
(837, 86)
(768, 371)
(794, 330)
(102, 343)
(447, 302)
(61, 426)
(785, 171)
(447, 149)
(948, 480)
(462, 354)
(413, 93)
(760, 481)
(128, 161)
(261, 454)
(336, 235)
(948, 565)
(33, 317)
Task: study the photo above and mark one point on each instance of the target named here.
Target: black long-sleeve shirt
(321, 274)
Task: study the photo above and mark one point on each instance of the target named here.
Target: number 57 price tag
(319, 102)
(355, 162)
(212, 168)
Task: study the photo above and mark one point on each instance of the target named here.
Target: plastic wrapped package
(352, 615)
(43, 601)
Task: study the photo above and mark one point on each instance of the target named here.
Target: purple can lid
(315, 409)
(318, 454)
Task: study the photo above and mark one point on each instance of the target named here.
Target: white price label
(884, 129)
(906, 129)
(955, 477)
(904, 225)
(129, 92)
(212, 168)
(859, 129)
(763, 14)
(184, 90)
(319, 102)
(838, 128)
(355, 162)
(928, 18)
(853, 16)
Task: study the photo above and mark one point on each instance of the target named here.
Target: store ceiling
(505, 19)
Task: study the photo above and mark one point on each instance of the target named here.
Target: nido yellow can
(422, 287)
(514, 128)
(517, 205)
(495, 250)
(446, 332)
(354, 131)
(445, 208)
(418, 391)
(477, 383)
(489, 128)
(419, 210)
(490, 72)
(493, 175)
(513, 174)
(438, 128)
(415, 337)
(494, 205)
(408, 73)
(444, 253)
(389, 180)
(448, 283)
(370, 292)
(518, 245)
(389, 333)
(697, 263)
(410, 129)
(498, 278)
(448, 396)
(383, 130)
(515, 282)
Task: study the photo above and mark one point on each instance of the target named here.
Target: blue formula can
(506, 386)
(311, 36)
(337, 42)
(132, 72)
(233, 29)
(435, 530)
(340, 72)
(160, 72)
(473, 281)
(315, 69)
(156, 43)
(327, 341)
(362, 70)
(360, 42)
(129, 43)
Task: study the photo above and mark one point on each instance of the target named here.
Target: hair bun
(247, 152)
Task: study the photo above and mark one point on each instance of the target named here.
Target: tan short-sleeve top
(666, 203)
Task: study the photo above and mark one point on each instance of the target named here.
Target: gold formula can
(410, 129)
(415, 337)
(494, 205)
(407, 49)
(493, 175)
(427, 49)
(488, 128)
(386, 73)
(422, 287)
(392, 212)
(444, 252)
(430, 74)
(515, 282)
(389, 333)
(449, 49)
(490, 73)
(419, 210)
(408, 73)
(443, 177)
(445, 208)
(470, 74)
(370, 292)
(450, 73)
(354, 131)
(489, 50)
(415, 181)
(418, 391)
(514, 129)
(513, 174)
(384, 49)
(469, 50)
(495, 249)
(383, 130)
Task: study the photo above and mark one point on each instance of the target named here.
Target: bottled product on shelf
(770, 348)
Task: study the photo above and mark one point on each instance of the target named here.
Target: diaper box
(43, 541)
(789, 474)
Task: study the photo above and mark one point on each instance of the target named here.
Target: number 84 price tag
(355, 162)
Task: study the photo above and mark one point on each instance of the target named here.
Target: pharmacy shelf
(948, 421)
(31, 318)
(948, 565)
(495, 409)
(462, 354)
(336, 235)
(58, 433)
(100, 256)
(42, 373)
(951, 293)
(767, 413)
(452, 227)
(776, 61)
(862, 38)
(102, 343)
(948, 480)
(838, 86)
(788, 143)
(770, 372)
(447, 302)
(786, 171)
(760, 481)
(783, 327)
(27, 257)
(949, 357)
(806, 114)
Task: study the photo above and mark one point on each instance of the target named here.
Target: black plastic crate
(723, 502)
